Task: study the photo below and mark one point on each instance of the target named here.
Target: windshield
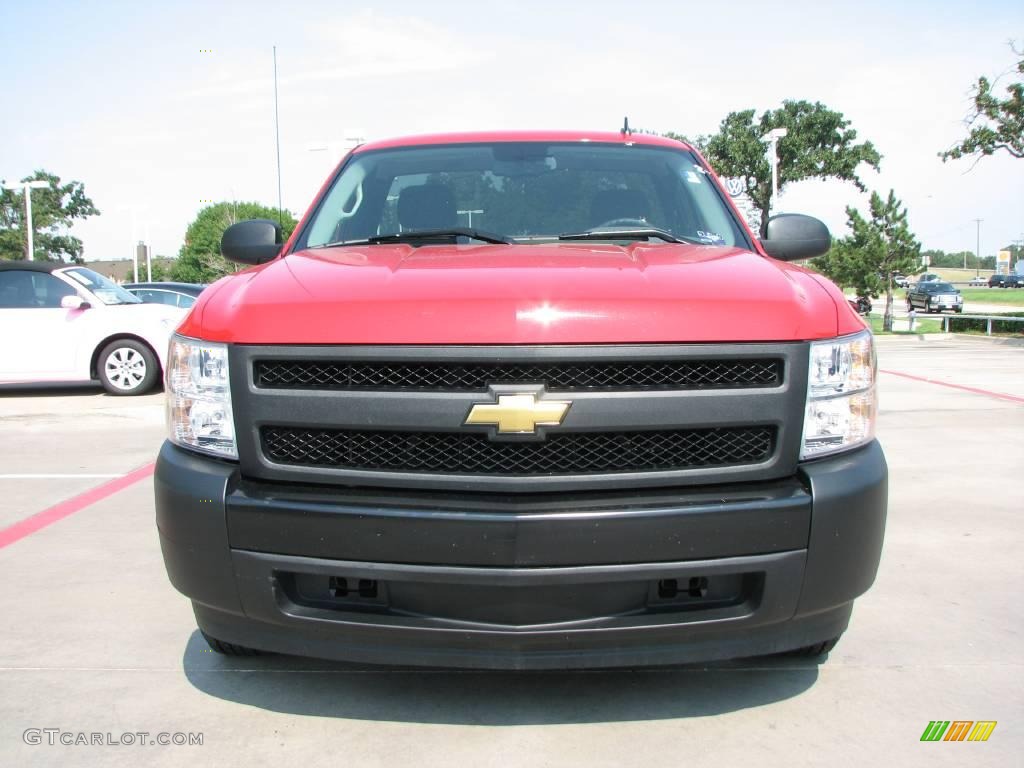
(942, 287)
(525, 192)
(105, 290)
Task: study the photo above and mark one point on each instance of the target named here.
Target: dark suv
(1005, 281)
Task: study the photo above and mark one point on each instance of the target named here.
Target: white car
(64, 322)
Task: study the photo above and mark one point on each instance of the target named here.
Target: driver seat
(611, 204)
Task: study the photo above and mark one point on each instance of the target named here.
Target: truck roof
(473, 137)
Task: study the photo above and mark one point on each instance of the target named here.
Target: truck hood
(518, 294)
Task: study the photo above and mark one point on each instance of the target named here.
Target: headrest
(427, 206)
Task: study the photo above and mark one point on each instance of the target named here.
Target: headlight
(841, 401)
(199, 397)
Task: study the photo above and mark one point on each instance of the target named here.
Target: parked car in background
(978, 281)
(901, 281)
(928, 277)
(861, 305)
(935, 297)
(173, 294)
(64, 322)
(1006, 281)
(997, 281)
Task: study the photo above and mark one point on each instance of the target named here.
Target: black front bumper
(523, 581)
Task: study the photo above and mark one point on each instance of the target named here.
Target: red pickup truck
(522, 400)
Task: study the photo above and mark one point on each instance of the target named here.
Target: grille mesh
(453, 377)
(473, 453)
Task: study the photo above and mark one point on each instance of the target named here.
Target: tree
(995, 124)
(819, 144)
(199, 260)
(938, 258)
(54, 209)
(876, 249)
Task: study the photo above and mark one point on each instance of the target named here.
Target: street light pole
(27, 187)
(773, 137)
(470, 213)
(977, 250)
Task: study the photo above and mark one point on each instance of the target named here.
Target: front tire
(127, 367)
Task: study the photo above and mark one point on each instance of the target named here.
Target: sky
(159, 109)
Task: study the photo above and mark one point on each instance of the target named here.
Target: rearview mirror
(74, 302)
(793, 236)
(256, 241)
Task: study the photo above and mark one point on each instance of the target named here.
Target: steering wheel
(623, 222)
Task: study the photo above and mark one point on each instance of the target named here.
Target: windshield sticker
(692, 177)
(712, 238)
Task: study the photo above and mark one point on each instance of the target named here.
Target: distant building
(120, 270)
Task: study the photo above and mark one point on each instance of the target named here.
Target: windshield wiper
(413, 236)
(641, 233)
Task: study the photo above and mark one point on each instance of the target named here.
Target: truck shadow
(434, 696)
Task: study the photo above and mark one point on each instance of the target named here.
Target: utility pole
(277, 140)
(977, 250)
(27, 187)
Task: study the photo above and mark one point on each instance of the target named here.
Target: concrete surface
(96, 640)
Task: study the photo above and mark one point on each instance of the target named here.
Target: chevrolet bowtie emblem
(519, 414)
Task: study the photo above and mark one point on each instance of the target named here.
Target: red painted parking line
(40, 520)
(963, 388)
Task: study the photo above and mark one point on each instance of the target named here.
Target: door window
(22, 289)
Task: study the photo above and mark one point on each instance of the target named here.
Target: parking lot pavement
(96, 640)
(60, 441)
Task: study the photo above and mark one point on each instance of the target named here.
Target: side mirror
(793, 236)
(74, 302)
(251, 242)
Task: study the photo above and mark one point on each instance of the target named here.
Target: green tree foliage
(54, 209)
(994, 124)
(876, 249)
(819, 144)
(199, 260)
(937, 258)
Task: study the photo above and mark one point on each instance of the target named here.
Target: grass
(921, 326)
(951, 275)
(1011, 296)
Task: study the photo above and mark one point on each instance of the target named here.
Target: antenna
(277, 139)
(626, 130)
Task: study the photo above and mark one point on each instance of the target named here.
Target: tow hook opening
(696, 587)
(339, 586)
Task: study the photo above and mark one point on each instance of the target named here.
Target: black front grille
(455, 377)
(562, 453)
